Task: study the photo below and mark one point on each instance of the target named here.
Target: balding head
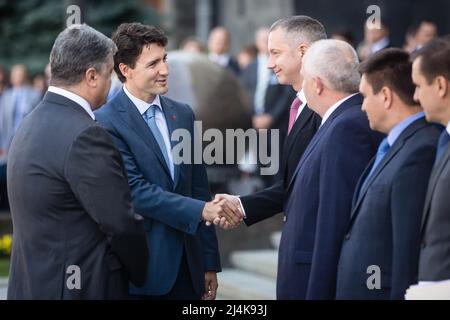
(335, 62)
(330, 72)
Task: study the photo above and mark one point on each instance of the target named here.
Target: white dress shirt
(220, 59)
(74, 97)
(334, 107)
(262, 82)
(142, 107)
(380, 44)
(302, 97)
(448, 127)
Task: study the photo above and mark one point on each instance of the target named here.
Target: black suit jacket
(71, 209)
(434, 262)
(233, 66)
(268, 202)
(385, 220)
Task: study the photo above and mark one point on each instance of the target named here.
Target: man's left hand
(210, 286)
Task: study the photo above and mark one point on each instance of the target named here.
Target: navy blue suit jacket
(172, 209)
(386, 215)
(318, 203)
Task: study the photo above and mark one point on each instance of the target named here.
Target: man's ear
(302, 49)
(387, 97)
(91, 77)
(125, 70)
(442, 86)
(319, 86)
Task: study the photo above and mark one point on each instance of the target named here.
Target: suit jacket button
(284, 219)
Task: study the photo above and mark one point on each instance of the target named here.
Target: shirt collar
(400, 127)
(221, 59)
(302, 97)
(380, 44)
(74, 97)
(334, 107)
(142, 105)
(448, 127)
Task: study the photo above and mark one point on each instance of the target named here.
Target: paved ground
(3, 287)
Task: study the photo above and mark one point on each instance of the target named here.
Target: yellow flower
(5, 244)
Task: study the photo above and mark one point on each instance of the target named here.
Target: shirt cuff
(242, 207)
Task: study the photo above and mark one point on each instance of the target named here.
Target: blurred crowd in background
(266, 101)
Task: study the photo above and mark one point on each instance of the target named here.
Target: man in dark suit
(289, 39)
(318, 200)
(75, 233)
(219, 47)
(431, 75)
(172, 197)
(270, 99)
(388, 202)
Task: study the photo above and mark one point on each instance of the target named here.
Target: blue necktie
(151, 122)
(443, 141)
(383, 148)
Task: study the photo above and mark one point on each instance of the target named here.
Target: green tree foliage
(29, 27)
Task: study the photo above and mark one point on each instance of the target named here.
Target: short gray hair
(76, 49)
(301, 29)
(336, 63)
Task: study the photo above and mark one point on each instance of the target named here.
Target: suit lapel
(318, 136)
(398, 145)
(361, 180)
(134, 120)
(315, 140)
(435, 174)
(299, 124)
(362, 192)
(172, 120)
(386, 159)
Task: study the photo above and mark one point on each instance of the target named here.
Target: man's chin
(163, 90)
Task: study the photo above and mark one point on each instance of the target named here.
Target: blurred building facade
(243, 17)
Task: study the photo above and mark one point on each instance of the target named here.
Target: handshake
(225, 211)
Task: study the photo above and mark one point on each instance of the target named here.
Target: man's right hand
(222, 209)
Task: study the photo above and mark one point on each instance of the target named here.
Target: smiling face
(149, 76)
(284, 59)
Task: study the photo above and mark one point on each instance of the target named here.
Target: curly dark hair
(130, 39)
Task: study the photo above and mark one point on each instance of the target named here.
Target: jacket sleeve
(263, 204)
(94, 170)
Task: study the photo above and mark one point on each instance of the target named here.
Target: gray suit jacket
(30, 99)
(434, 262)
(71, 209)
